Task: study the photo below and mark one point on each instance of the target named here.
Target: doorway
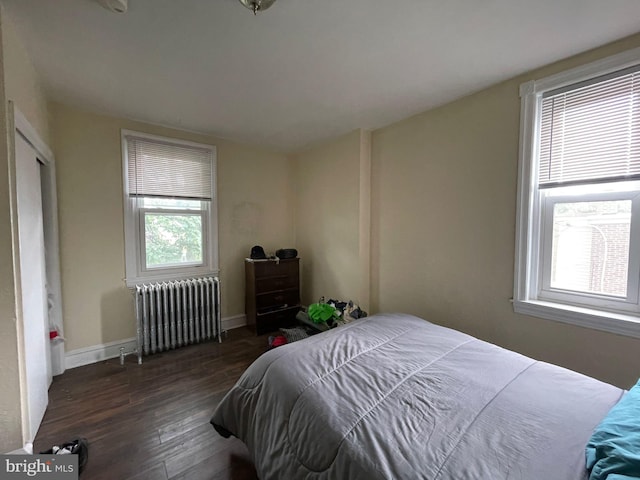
(39, 268)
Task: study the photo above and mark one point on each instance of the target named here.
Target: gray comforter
(396, 397)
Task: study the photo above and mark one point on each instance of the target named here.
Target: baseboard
(105, 351)
(26, 450)
(97, 353)
(236, 321)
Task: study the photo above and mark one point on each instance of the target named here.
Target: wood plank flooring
(151, 421)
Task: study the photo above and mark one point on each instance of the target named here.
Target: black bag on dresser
(286, 253)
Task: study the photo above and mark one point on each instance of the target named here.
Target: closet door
(32, 273)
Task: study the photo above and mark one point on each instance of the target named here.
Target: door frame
(21, 126)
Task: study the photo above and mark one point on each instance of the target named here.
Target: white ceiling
(304, 70)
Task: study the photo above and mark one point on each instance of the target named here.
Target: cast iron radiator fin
(177, 313)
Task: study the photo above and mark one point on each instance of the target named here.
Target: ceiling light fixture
(257, 5)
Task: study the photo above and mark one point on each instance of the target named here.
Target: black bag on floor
(79, 446)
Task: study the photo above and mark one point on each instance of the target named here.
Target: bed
(396, 397)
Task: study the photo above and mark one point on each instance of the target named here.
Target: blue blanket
(613, 452)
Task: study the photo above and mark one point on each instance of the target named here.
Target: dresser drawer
(272, 284)
(278, 298)
(276, 269)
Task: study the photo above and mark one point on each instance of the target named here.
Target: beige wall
(23, 85)
(19, 83)
(443, 229)
(254, 208)
(327, 219)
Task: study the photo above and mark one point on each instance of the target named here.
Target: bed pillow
(613, 452)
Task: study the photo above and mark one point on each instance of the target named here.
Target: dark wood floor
(152, 421)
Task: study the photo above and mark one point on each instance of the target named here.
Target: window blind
(161, 169)
(590, 132)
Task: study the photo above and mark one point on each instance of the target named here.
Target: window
(170, 209)
(578, 223)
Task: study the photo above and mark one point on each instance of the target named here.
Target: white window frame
(134, 225)
(142, 212)
(530, 296)
(601, 301)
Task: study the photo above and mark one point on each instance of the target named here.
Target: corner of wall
(332, 218)
(364, 220)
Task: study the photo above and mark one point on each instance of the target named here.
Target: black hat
(257, 253)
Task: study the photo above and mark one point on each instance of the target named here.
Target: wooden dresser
(272, 295)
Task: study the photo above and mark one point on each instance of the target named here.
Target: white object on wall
(115, 6)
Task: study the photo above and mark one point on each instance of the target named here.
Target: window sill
(168, 277)
(619, 323)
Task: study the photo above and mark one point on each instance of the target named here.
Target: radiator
(178, 313)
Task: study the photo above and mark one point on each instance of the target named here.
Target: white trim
(527, 264)
(160, 138)
(525, 201)
(585, 72)
(236, 321)
(30, 133)
(104, 351)
(621, 324)
(26, 450)
(97, 353)
(135, 273)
